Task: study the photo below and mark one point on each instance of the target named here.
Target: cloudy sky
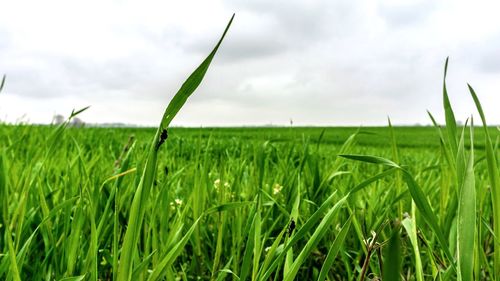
(327, 62)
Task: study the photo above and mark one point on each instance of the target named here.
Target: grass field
(390, 203)
(67, 195)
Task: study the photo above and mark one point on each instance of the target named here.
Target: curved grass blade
(141, 195)
(370, 159)
(392, 257)
(334, 249)
(315, 239)
(451, 123)
(417, 195)
(410, 226)
(301, 232)
(169, 258)
(74, 278)
(14, 269)
(494, 177)
(190, 85)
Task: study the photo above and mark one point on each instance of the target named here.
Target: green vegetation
(397, 203)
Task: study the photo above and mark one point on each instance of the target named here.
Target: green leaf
(392, 258)
(73, 278)
(493, 173)
(467, 218)
(451, 123)
(417, 195)
(316, 237)
(141, 195)
(334, 249)
(171, 255)
(301, 232)
(370, 159)
(411, 228)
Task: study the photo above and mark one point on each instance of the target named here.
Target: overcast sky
(329, 62)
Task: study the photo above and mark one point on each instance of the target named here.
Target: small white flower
(217, 184)
(277, 188)
(178, 201)
(227, 185)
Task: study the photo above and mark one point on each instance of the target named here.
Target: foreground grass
(60, 189)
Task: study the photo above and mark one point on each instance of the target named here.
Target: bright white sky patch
(316, 62)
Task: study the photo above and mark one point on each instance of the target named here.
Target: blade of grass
(160, 270)
(494, 178)
(294, 218)
(451, 123)
(417, 195)
(73, 278)
(334, 249)
(467, 217)
(141, 195)
(315, 239)
(392, 257)
(301, 232)
(411, 228)
(14, 269)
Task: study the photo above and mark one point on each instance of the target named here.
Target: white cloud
(322, 62)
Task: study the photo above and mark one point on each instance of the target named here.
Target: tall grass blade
(451, 123)
(467, 217)
(314, 240)
(14, 269)
(392, 257)
(142, 193)
(417, 195)
(334, 250)
(411, 228)
(494, 177)
(167, 260)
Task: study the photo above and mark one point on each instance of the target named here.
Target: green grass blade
(315, 239)
(14, 269)
(272, 252)
(169, 258)
(446, 148)
(494, 178)
(247, 256)
(427, 213)
(467, 218)
(411, 228)
(139, 202)
(190, 84)
(73, 278)
(392, 257)
(451, 123)
(417, 195)
(370, 159)
(301, 232)
(334, 249)
(294, 218)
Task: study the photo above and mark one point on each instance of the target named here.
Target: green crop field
(270, 203)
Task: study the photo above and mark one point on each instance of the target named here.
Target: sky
(324, 63)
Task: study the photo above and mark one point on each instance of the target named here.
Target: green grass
(270, 203)
(53, 195)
